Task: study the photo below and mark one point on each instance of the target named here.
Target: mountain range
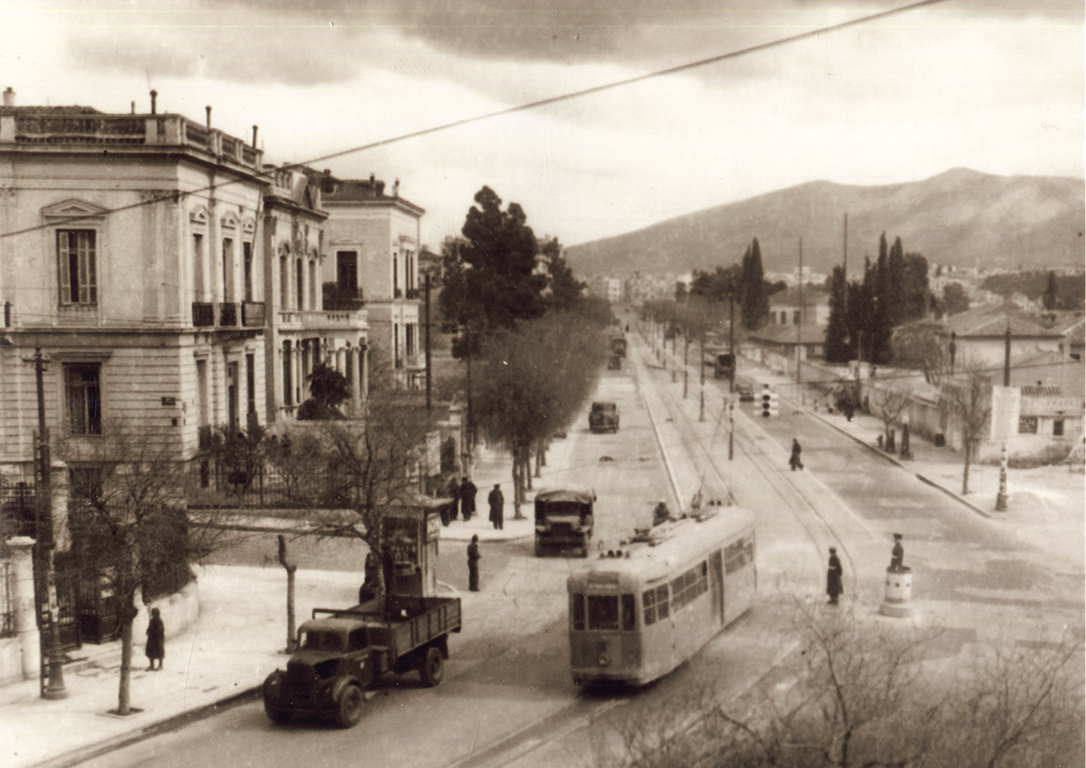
(960, 218)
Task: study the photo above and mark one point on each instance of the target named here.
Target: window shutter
(63, 269)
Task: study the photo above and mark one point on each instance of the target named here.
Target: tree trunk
(516, 487)
(292, 634)
(126, 615)
(965, 472)
(526, 471)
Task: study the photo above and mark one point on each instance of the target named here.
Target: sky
(992, 85)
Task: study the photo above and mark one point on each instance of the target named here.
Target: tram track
(750, 444)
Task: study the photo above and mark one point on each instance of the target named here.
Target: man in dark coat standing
(834, 587)
(473, 563)
(496, 501)
(467, 499)
(897, 555)
(795, 461)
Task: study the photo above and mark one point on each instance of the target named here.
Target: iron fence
(7, 599)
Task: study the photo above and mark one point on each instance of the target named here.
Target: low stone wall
(180, 611)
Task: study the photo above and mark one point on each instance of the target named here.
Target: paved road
(507, 698)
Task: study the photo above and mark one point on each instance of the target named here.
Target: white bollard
(899, 594)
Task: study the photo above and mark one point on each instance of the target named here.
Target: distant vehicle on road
(745, 392)
(603, 417)
(340, 655)
(649, 604)
(618, 345)
(723, 365)
(564, 520)
(615, 363)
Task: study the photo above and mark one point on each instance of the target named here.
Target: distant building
(605, 287)
(785, 309)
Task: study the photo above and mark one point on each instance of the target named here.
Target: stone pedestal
(899, 594)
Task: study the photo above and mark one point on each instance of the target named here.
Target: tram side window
(738, 554)
(629, 615)
(648, 605)
(576, 610)
(603, 612)
(689, 586)
(662, 610)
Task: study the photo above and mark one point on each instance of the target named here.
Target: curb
(894, 461)
(136, 735)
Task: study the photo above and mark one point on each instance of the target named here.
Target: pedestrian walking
(467, 499)
(497, 502)
(795, 462)
(473, 563)
(897, 555)
(834, 587)
(453, 492)
(156, 640)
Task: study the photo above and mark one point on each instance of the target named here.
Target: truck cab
(603, 417)
(564, 520)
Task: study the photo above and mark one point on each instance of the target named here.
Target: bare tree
(130, 528)
(891, 401)
(921, 345)
(971, 401)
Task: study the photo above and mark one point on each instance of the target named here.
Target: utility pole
(429, 370)
(51, 662)
(799, 328)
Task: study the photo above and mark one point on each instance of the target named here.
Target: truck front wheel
(349, 707)
(433, 667)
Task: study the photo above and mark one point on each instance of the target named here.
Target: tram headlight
(604, 660)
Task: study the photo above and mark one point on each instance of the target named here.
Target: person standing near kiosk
(473, 563)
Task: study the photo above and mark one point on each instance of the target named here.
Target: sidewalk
(213, 663)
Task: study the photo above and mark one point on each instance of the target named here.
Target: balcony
(313, 319)
(228, 315)
(252, 314)
(412, 293)
(203, 314)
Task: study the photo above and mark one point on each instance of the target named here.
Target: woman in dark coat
(795, 462)
(473, 564)
(467, 498)
(834, 571)
(496, 501)
(156, 640)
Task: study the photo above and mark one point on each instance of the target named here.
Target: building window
(198, 278)
(247, 256)
(1057, 428)
(76, 266)
(84, 398)
(228, 270)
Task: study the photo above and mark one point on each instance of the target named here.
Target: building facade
(372, 254)
(131, 259)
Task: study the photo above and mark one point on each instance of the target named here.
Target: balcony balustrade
(228, 314)
(252, 314)
(203, 314)
(313, 319)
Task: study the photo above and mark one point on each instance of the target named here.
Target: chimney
(254, 136)
(133, 107)
(396, 188)
(372, 177)
(154, 97)
(9, 97)
(380, 185)
(208, 116)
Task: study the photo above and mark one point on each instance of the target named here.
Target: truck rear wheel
(349, 707)
(277, 716)
(433, 667)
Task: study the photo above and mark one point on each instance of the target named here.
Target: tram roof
(670, 545)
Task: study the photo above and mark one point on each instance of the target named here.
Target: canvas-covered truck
(603, 417)
(563, 520)
(342, 652)
(618, 345)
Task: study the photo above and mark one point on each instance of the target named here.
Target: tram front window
(603, 612)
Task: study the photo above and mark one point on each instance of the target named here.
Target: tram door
(716, 586)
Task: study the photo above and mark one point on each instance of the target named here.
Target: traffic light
(769, 402)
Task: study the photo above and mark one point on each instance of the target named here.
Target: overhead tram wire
(519, 108)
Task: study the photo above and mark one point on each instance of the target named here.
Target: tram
(639, 611)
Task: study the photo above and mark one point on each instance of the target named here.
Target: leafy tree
(565, 290)
(490, 280)
(955, 299)
(533, 383)
(916, 293)
(920, 345)
(755, 298)
(838, 349)
(1050, 297)
(327, 388)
